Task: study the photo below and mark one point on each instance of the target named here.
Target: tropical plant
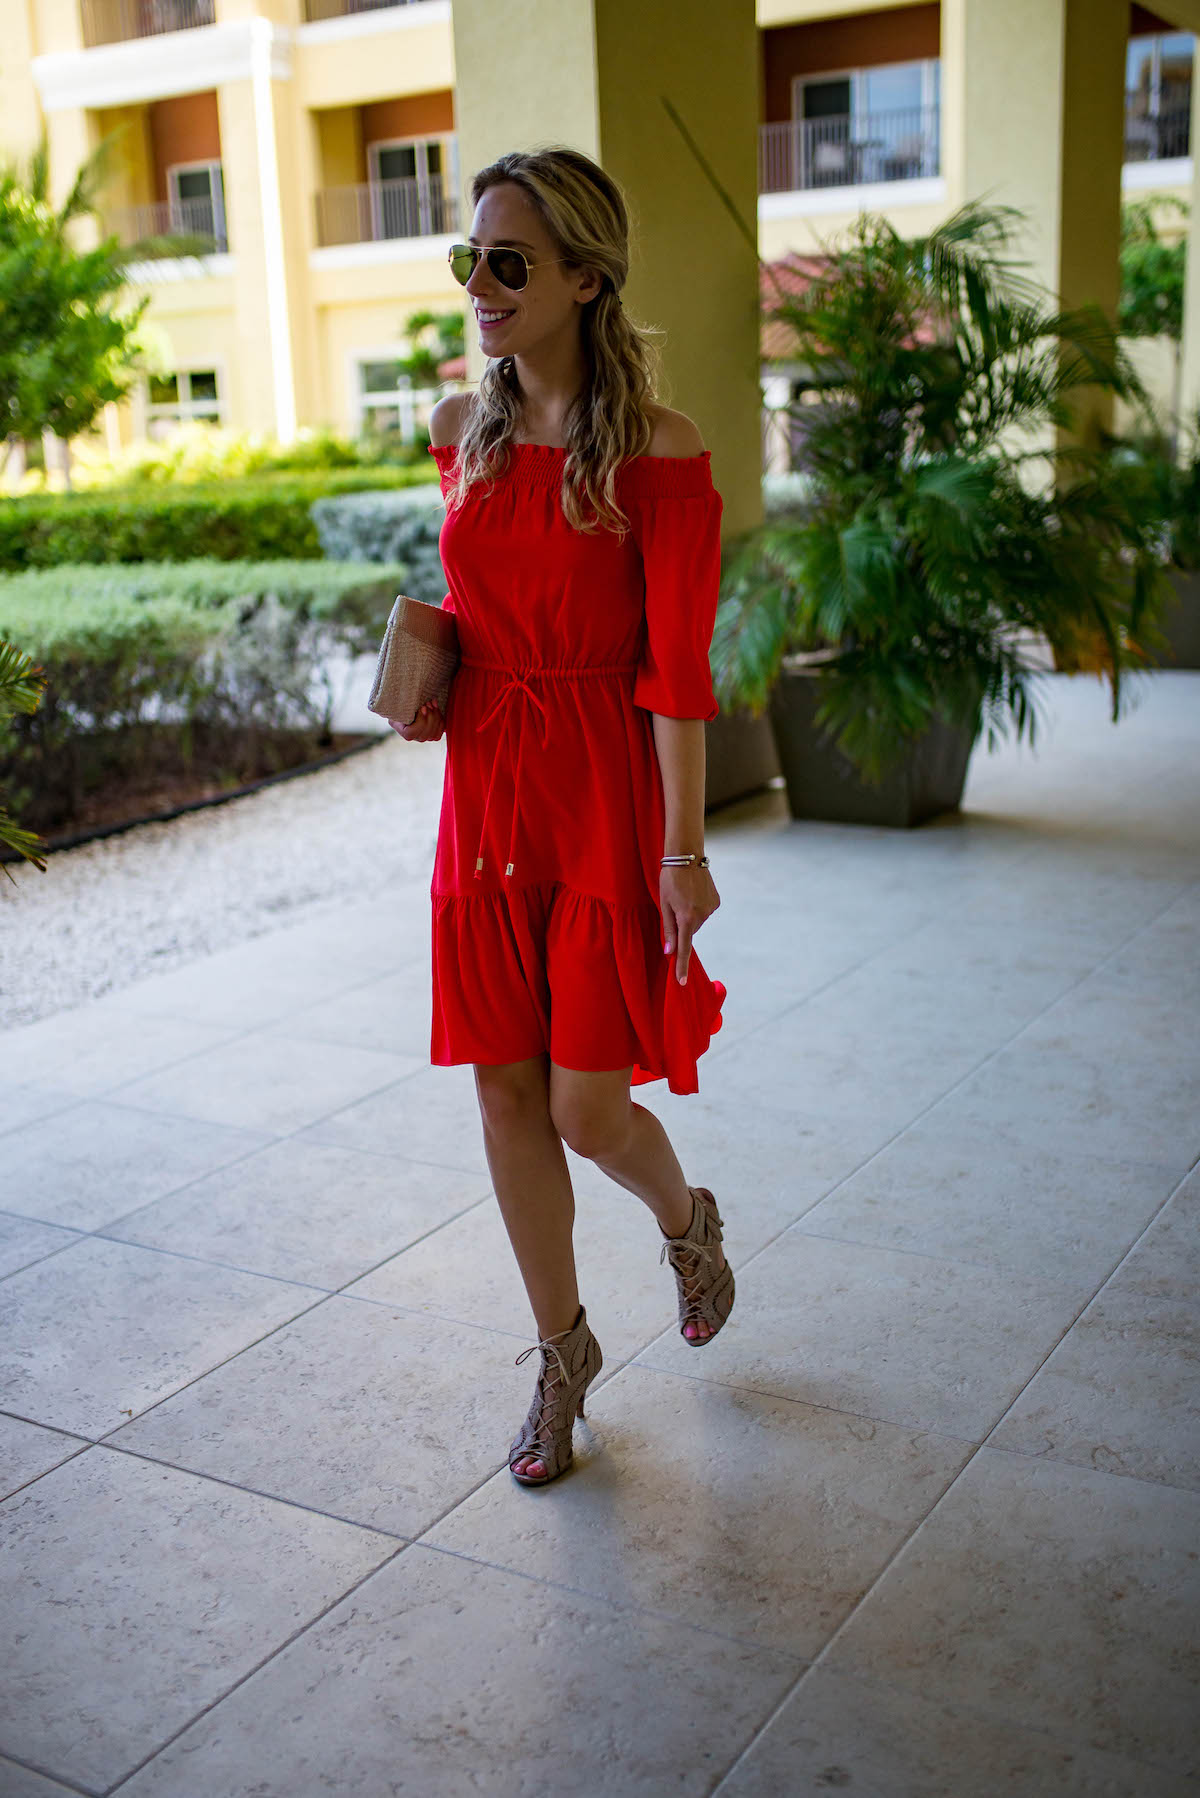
(66, 348)
(951, 513)
(21, 689)
(1152, 268)
(1165, 466)
(428, 351)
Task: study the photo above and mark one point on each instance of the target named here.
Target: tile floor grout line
(819, 1658)
(1071, 1743)
(283, 1324)
(272, 1498)
(228, 1035)
(268, 1142)
(909, 1426)
(978, 1449)
(106, 1235)
(953, 1088)
(257, 1668)
(909, 1537)
(1101, 1288)
(624, 1606)
(68, 1785)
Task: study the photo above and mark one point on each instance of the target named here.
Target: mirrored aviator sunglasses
(509, 267)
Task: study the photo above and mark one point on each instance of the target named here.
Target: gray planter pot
(823, 783)
(740, 757)
(1181, 623)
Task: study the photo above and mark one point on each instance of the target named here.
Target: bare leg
(596, 1117)
(533, 1187)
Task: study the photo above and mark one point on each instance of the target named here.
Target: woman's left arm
(687, 896)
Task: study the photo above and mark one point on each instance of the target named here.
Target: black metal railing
(315, 10)
(117, 21)
(848, 151)
(374, 211)
(201, 221)
(1160, 136)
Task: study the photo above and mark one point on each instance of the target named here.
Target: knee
(512, 1099)
(596, 1133)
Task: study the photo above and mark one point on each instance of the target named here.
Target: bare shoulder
(447, 418)
(673, 434)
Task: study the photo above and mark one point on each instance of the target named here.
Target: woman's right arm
(427, 727)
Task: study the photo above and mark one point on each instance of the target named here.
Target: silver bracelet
(683, 861)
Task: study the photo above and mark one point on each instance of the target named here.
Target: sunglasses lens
(462, 262)
(509, 268)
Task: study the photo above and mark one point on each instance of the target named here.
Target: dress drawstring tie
(515, 696)
(514, 685)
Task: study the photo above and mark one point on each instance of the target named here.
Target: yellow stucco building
(322, 148)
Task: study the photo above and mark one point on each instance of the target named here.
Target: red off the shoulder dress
(547, 934)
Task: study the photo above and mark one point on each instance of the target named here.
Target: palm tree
(950, 511)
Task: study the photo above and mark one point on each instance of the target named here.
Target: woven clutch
(417, 660)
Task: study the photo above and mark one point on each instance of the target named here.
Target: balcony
(120, 21)
(316, 11)
(200, 220)
(1159, 136)
(848, 151)
(377, 211)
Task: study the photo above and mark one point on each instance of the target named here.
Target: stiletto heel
(545, 1435)
(703, 1296)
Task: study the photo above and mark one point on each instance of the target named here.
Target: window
(190, 393)
(197, 200)
(1158, 96)
(384, 400)
(411, 180)
(878, 124)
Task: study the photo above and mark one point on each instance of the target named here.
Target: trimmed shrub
(251, 520)
(140, 662)
(388, 527)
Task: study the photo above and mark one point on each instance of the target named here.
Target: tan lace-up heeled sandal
(705, 1293)
(571, 1359)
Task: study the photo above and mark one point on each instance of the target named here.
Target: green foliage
(1152, 270)
(1166, 474)
(388, 527)
(931, 539)
(66, 349)
(243, 650)
(435, 337)
(21, 688)
(263, 517)
(197, 451)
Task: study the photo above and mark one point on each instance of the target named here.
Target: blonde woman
(582, 548)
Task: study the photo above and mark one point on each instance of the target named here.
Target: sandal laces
(677, 1247)
(693, 1295)
(540, 1440)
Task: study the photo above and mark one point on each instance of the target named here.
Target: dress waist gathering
(514, 701)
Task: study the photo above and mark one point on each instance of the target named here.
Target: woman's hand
(427, 727)
(686, 897)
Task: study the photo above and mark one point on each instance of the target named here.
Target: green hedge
(247, 520)
(134, 657)
(388, 527)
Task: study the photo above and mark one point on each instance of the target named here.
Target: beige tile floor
(923, 1522)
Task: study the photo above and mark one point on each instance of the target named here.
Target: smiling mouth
(488, 323)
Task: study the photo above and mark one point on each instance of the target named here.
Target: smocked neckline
(685, 477)
(558, 449)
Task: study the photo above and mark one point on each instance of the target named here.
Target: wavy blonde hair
(587, 218)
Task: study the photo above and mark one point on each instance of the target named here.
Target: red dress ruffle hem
(547, 934)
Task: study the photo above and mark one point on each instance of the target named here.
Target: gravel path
(110, 912)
